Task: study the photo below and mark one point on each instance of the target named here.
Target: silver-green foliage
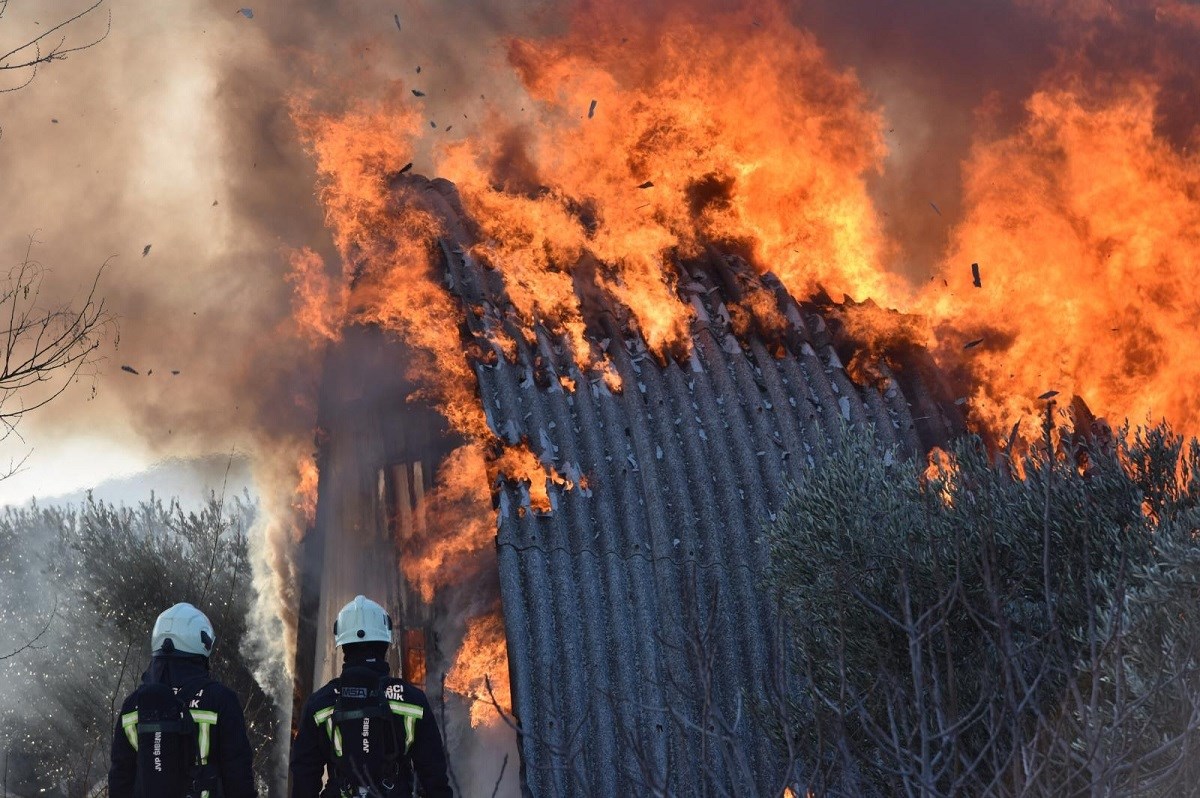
(974, 632)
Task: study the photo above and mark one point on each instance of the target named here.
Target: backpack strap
(204, 775)
(324, 718)
(407, 713)
(204, 719)
(411, 713)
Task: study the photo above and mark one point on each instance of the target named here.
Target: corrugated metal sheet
(604, 596)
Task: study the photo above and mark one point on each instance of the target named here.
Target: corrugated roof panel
(602, 595)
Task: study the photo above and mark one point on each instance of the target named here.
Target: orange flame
(305, 499)
(318, 305)
(1086, 226)
(941, 472)
(390, 276)
(729, 128)
(460, 523)
(483, 658)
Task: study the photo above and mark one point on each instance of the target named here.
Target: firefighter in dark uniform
(370, 732)
(219, 762)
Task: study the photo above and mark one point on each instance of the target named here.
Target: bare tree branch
(30, 54)
(44, 348)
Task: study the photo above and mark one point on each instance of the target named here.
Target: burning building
(564, 394)
(622, 573)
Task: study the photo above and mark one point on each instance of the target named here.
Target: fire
(1087, 228)
(318, 304)
(305, 499)
(1085, 223)
(652, 137)
(390, 277)
(727, 128)
(460, 524)
(483, 659)
(941, 473)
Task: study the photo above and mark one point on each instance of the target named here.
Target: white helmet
(184, 629)
(362, 621)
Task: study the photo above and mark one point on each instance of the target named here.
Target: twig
(499, 779)
(57, 52)
(32, 644)
(449, 767)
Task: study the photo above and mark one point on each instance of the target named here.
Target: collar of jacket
(175, 671)
(380, 666)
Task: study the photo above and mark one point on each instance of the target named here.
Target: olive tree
(997, 624)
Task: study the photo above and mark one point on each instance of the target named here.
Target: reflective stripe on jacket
(318, 741)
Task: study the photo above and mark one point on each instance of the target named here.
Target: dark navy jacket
(229, 752)
(415, 725)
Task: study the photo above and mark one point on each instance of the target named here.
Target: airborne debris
(973, 344)
(174, 372)
(130, 369)
(432, 124)
(397, 18)
(1012, 436)
(1048, 395)
(647, 184)
(54, 121)
(214, 203)
(406, 167)
(418, 69)
(592, 109)
(417, 93)
(975, 275)
(145, 250)
(248, 13)
(936, 209)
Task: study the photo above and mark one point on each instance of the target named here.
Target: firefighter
(181, 733)
(369, 731)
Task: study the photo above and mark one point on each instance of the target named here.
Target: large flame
(649, 139)
(1085, 225)
(1069, 272)
(459, 523)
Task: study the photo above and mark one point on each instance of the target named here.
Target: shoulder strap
(393, 753)
(202, 721)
